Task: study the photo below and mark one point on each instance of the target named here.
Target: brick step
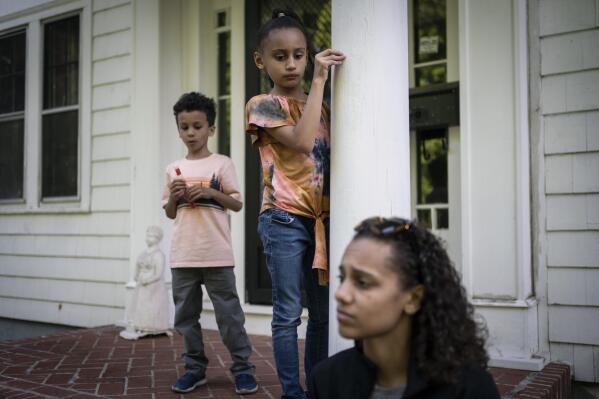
(553, 382)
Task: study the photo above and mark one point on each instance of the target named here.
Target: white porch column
(146, 176)
(370, 160)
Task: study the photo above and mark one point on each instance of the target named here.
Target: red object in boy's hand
(191, 204)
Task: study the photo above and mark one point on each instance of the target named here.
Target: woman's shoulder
(478, 383)
(472, 383)
(342, 361)
(348, 374)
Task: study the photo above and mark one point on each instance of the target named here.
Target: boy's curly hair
(194, 101)
(445, 335)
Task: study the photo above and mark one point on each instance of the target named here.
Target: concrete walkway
(97, 363)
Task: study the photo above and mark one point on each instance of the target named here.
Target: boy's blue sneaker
(188, 382)
(245, 383)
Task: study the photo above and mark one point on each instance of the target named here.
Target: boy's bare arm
(177, 188)
(197, 192)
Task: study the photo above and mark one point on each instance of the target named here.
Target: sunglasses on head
(384, 227)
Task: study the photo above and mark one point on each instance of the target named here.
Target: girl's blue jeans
(288, 241)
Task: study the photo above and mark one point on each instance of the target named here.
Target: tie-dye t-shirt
(293, 181)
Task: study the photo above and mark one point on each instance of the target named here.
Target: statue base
(132, 334)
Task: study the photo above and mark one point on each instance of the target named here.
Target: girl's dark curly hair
(445, 335)
(194, 101)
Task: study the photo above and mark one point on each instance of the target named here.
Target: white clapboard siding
(111, 198)
(112, 70)
(112, 19)
(82, 269)
(112, 45)
(111, 96)
(110, 121)
(59, 313)
(573, 248)
(111, 146)
(570, 92)
(110, 247)
(573, 286)
(75, 292)
(568, 133)
(574, 324)
(111, 172)
(557, 16)
(104, 224)
(584, 170)
(573, 212)
(569, 99)
(104, 4)
(558, 174)
(570, 52)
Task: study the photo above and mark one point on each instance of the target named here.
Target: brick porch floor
(97, 363)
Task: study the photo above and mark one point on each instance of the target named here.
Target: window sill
(44, 209)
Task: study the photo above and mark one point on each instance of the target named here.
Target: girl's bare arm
(301, 136)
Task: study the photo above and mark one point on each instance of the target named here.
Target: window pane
(224, 127)
(430, 75)
(60, 154)
(432, 166)
(221, 19)
(224, 63)
(12, 73)
(430, 28)
(11, 159)
(61, 63)
(442, 218)
(424, 217)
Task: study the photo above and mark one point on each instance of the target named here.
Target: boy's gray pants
(187, 294)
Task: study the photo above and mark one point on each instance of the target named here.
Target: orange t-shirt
(293, 181)
(201, 235)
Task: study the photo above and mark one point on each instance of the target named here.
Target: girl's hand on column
(323, 62)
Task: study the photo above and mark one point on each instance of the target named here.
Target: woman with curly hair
(401, 300)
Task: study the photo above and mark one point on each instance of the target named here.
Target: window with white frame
(40, 93)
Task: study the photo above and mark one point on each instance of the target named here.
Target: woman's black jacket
(350, 375)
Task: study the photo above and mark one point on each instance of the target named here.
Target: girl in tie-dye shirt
(291, 131)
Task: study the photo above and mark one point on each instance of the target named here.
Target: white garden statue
(148, 313)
